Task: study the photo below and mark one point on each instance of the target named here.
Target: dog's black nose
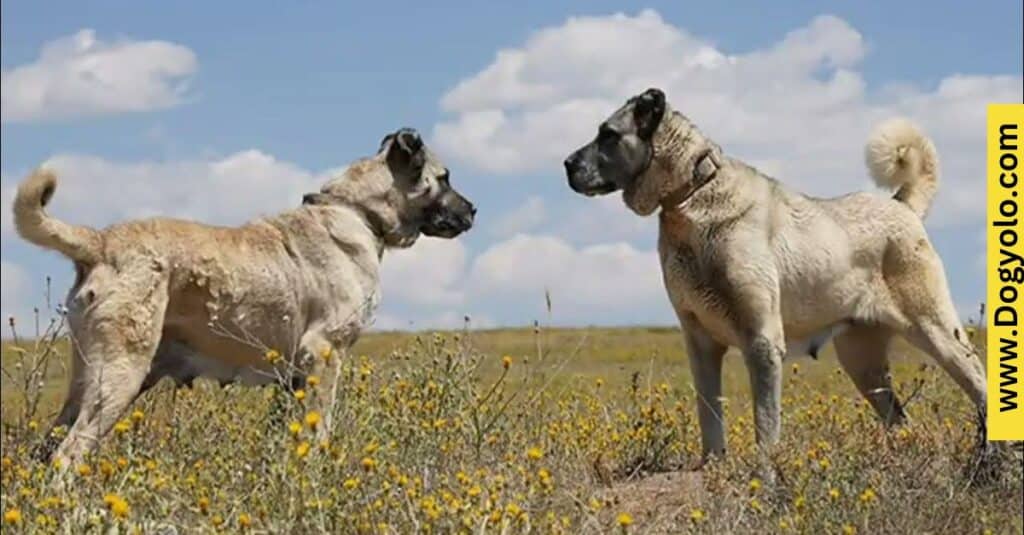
(569, 163)
(472, 210)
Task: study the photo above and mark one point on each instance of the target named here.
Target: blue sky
(284, 95)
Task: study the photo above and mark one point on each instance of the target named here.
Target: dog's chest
(696, 290)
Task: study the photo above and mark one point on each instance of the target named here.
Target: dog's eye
(443, 177)
(607, 135)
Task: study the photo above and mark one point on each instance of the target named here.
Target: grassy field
(523, 430)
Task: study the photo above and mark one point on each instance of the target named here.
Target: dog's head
(641, 149)
(622, 150)
(404, 190)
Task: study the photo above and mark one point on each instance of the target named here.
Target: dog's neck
(704, 171)
(683, 161)
(375, 201)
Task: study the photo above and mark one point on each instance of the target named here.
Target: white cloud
(432, 285)
(799, 108)
(587, 284)
(80, 75)
(426, 273)
(527, 216)
(590, 220)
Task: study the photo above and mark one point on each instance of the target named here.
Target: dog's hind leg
(946, 341)
(862, 351)
(705, 357)
(917, 281)
(69, 411)
(122, 316)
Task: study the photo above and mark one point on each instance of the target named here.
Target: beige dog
(164, 297)
(750, 264)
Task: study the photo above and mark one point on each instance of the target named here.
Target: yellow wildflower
(312, 419)
(302, 449)
(300, 394)
(624, 519)
(295, 428)
(272, 356)
(244, 520)
(506, 361)
(138, 415)
(117, 505)
(697, 515)
(534, 453)
(106, 468)
(12, 516)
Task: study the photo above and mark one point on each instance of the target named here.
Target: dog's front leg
(324, 365)
(706, 367)
(763, 354)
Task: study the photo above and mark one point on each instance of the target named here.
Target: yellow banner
(1005, 265)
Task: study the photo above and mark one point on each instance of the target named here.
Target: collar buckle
(704, 171)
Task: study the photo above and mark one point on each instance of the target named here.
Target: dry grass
(584, 431)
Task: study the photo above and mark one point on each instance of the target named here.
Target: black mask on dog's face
(622, 150)
(449, 213)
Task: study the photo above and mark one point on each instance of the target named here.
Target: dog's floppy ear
(405, 150)
(648, 109)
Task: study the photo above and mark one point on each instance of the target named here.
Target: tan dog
(750, 264)
(164, 297)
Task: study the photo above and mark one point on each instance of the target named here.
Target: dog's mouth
(599, 189)
(447, 225)
(592, 187)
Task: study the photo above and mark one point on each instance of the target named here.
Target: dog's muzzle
(584, 177)
(450, 216)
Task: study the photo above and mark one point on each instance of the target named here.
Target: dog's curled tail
(81, 244)
(900, 156)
